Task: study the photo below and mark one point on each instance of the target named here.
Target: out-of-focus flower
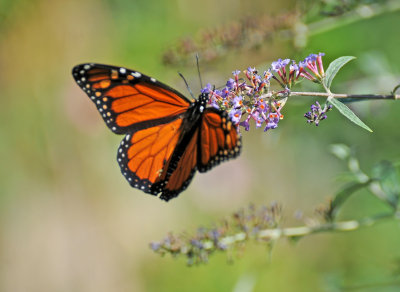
(229, 234)
(244, 34)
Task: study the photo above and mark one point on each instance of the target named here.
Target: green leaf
(389, 180)
(348, 113)
(334, 67)
(342, 197)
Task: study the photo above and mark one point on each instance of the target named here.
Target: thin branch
(340, 95)
(360, 13)
(293, 232)
(197, 248)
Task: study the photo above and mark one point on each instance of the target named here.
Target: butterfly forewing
(128, 100)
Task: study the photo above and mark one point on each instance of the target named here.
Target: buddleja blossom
(317, 113)
(241, 34)
(232, 232)
(312, 68)
(252, 98)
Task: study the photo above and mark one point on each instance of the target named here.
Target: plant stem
(293, 232)
(341, 95)
(334, 226)
(358, 14)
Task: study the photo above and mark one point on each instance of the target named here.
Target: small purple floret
(235, 115)
(317, 113)
(207, 89)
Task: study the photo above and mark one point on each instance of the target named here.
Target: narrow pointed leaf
(348, 113)
(334, 67)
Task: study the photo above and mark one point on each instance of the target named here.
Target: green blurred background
(70, 222)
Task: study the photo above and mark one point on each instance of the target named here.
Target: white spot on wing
(122, 70)
(136, 74)
(153, 79)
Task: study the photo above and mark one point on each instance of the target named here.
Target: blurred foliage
(70, 222)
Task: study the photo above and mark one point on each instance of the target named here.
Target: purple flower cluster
(310, 68)
(286, 78)
(229, 234)
(253, 99)
(317, 113)
(315, 67)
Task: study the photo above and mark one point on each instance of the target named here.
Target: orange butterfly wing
(128, 100)
(219, 139)
(181, 168)
(211, 140)
(143, 155)
(167, 140)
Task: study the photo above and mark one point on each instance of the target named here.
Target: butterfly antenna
(187, 85)
(198, 70)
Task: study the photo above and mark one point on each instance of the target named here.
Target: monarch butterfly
(168, 137)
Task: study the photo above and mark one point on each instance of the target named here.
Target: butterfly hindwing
(211, 140)
(143, 155)
(181, 167)
(128, 100)
(219, 139)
